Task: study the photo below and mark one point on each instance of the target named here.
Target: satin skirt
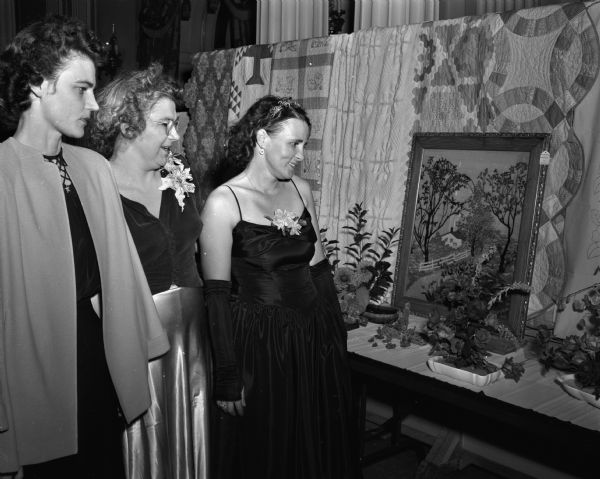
(170, 441)
(298, 421)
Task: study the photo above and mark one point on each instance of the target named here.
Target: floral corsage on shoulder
(178, 178)
(288, 222)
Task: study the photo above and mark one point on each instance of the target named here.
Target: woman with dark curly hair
(279, 341)
(69, 379)
(135, 127)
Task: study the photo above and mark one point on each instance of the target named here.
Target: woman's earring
(261, 151)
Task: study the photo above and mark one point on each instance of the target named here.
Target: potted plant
(462, 344)
(364, 279)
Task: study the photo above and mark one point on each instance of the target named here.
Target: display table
(534, 419)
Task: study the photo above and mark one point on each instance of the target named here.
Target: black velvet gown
(291, 347)
(171, 439)
(166, 245)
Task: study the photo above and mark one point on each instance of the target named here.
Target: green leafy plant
(387, 333)
(589, 305)
(577, 354)
(462, 343)
(467, 327)
(366, 276)
(373, 255)
(473, 295)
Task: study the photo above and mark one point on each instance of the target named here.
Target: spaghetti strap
(298, 192)
(236, 200)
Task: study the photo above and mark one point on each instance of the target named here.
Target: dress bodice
(166, 245)
(87, 272)
(270, 268)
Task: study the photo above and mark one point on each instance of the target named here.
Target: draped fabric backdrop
(207, 98)
(302, 70)
(366, 130)
(160, 27)
(526, 71)
(7, 22)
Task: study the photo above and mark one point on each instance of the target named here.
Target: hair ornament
(282, 103)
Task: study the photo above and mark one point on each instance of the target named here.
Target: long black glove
(228, 383)
(323, 281)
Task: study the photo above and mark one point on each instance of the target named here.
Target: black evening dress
(290, 345)
(171, 439)
(99, 420)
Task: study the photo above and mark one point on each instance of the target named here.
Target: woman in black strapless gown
(279, 342)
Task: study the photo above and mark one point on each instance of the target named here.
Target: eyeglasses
(168, 124)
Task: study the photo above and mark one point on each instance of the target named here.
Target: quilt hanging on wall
(522, 72)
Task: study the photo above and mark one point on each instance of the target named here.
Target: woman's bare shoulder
(221, 203)
(303, 187)
(221, 196)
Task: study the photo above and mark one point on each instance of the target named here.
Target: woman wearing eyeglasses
(135, 127)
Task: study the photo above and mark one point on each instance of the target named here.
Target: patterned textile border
(206, 95)
(582, 220)
(518, 72)
(302, 70)
(250, 78)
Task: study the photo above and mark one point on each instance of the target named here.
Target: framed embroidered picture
(469, 227)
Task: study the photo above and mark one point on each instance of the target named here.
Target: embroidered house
(453, 239)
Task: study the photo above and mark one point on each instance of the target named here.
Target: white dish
(567, 381)
(461, 374)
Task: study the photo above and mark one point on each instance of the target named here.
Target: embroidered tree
(436, 203)
(504, 192)
(477, 222)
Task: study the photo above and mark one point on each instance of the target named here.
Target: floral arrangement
(576, 354)
(463, 344)
(474, 296)
(288, 222)
(178, 178)
(352, 287)
(366, 276)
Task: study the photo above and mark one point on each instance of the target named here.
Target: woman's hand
(234, 408)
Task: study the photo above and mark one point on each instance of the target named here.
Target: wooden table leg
(444, 455)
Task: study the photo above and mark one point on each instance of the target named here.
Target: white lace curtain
(283, 20)
(7, 22)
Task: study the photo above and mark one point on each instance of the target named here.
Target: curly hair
(268, 113)
(38, 53)
(126, 101)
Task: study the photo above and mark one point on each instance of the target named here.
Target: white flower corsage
(287, 221)
(178, 178)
